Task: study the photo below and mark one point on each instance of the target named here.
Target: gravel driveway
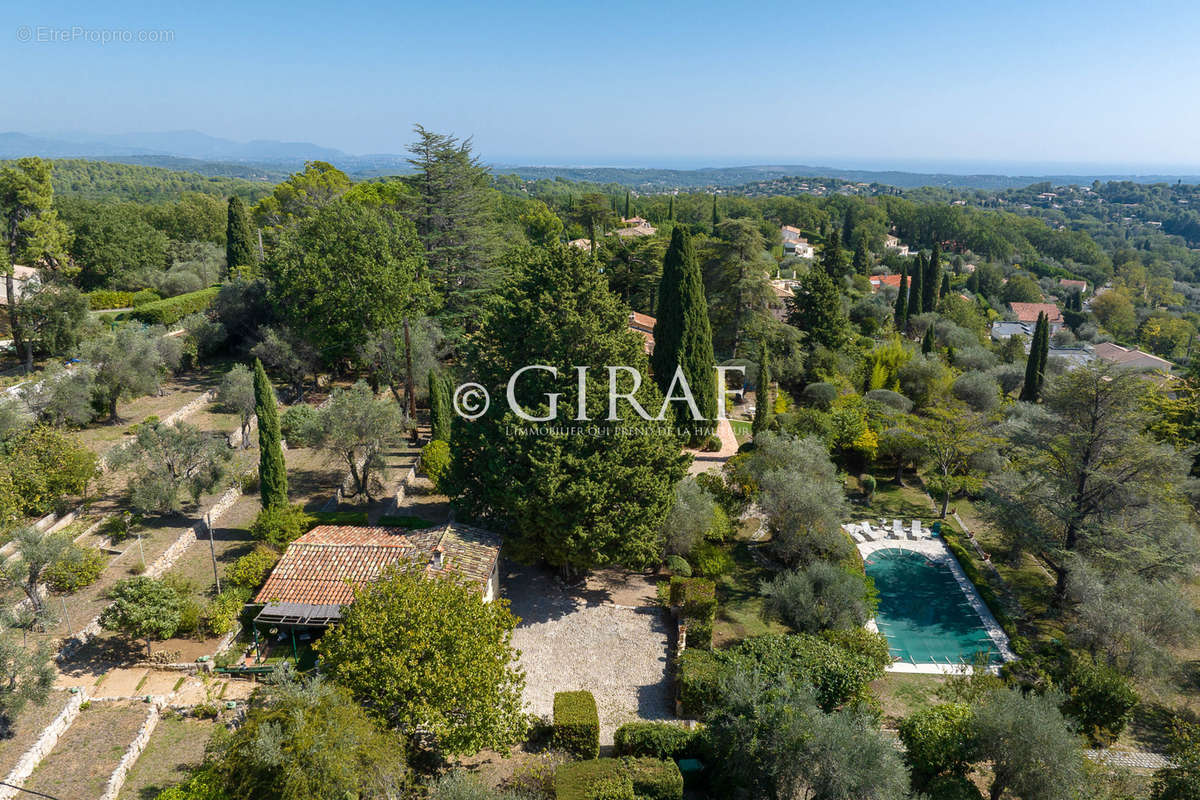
(572, 641)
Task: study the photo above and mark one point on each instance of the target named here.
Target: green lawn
(739, 611)
(901, 694)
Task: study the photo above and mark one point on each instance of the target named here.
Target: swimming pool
(923, 611)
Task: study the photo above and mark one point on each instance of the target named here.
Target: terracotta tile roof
(1137, 359)
(879, 281)
(1028, 312)
(326, 565)
(643, 324)
(1071, 284)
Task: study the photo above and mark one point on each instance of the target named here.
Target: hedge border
(577, 723)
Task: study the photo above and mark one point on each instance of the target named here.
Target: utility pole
(409, 393)
(212, 551)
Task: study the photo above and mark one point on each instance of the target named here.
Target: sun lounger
(915, 531)
(859, 537)
(897, 529)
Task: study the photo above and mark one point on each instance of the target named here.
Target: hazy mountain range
(265, 159)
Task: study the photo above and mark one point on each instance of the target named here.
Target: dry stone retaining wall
(117, 779)
(42, 747)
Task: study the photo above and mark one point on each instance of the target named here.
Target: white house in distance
(21, 277)
(894, 244)
(795, 244)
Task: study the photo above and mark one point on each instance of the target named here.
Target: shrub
(654, 779)
(281, 526)
(405, 521)
(652, 739)
(697, 601)
(938, 740)
(952, 787)
(612, 787)
(867, 482)
(641, 778)
(678, 565)
(435, 461)
(577, 723)
(712, 444)
(297, 424)
(711, 560)
(819, 597)
(250, 571)
(141, 298)
(698, 681)
(76, 568)
(1100, 700)
(222, 613)
(338, 517)
(819, 395)
(102, 299)
(837, 675)
(873, 647)
(173, 309)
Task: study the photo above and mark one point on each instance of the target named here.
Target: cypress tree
(927, 341)
(715, 216)
(862, 259)
(931, 281)
(439, 407)
(915, 291)
(762, 406)
(626, 205)
(671, 209)
(945, 286)
(1035, 365)
(682, 335)
(902, 301)
(832, 260)
(272, 470)
(239, 250)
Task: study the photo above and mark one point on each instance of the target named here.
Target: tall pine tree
(272, 470)
(931, 281)
(682, 334)
(439, 407)
(1035, 365)
(901, 319)
(762, 402)
(239, 250)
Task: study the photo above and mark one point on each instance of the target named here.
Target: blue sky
(851, 83)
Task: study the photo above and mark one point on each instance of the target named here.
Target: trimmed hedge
(338, 517)
(404, 521)
(173, 309)
(698, 681)
(144, 297)
(697, 601)
(650, 778)
(577, 723)
(104, 299)
(652, 740)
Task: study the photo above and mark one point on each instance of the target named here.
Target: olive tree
(357, 427)
(168, 460)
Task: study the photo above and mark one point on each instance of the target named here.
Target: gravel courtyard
(578, 639)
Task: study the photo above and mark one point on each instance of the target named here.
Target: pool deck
(935, 550)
